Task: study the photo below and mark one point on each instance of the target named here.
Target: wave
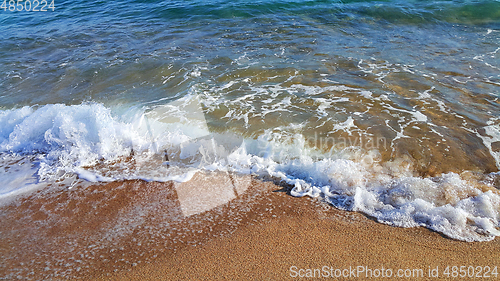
(173, 141)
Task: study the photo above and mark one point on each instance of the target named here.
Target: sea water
(390, 108)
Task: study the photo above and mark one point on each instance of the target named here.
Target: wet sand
(250, 230)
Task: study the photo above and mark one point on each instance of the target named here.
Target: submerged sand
(250, 229)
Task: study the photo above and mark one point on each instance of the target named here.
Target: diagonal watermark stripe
(202, 148)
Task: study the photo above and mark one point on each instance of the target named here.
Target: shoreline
(136, 230)
(309, 237)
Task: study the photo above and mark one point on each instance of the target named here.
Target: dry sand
(251, 230)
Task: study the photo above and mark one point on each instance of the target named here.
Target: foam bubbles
(80, 135)
(90, 141)
(172, 142)
(390, 192)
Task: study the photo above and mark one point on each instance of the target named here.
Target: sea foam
(171, 143)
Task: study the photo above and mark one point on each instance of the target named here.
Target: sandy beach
(136, 230)
(249, 140)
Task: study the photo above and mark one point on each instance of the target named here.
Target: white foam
(345, 126)
(419, 117)
(366, 94)
(92, 142)
(70, 139)
(80, 135)
(389, 192)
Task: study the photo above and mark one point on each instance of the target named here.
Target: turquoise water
(390, 108)
(97, 51)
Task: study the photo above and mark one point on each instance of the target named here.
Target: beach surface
(119, 123)
(135, 230)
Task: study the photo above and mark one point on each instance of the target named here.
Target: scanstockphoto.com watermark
(337, 143)
(361, 271)
(331, 144)
(366, 148)
(354, 272)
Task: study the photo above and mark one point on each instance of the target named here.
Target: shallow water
(390, 108)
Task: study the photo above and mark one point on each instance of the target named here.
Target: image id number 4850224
(27, 5)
